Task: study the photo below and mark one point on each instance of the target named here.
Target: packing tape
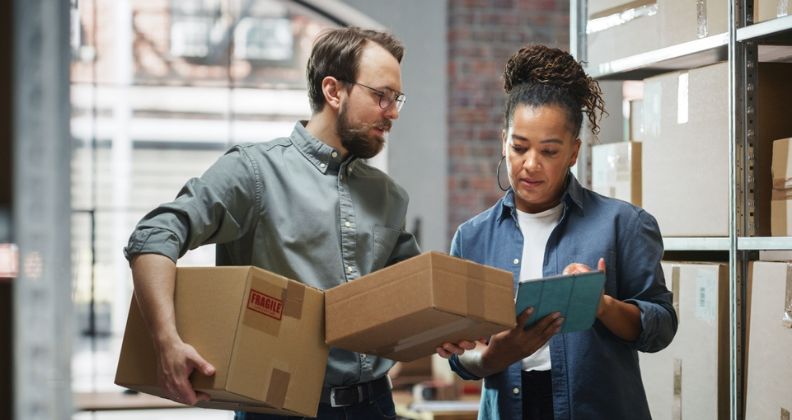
(427, 336)
(475, 301)
(293, 300)
(676, 413)
(787, 318)
(701, 18)
(279, 384)
(780, 191)
(616, 16)
(675, 288)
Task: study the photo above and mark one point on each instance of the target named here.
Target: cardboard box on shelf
(769, 349)
(781, 198)
(690, 378)
(616, 171)
(229, 314)
(686, 118)
(618, 29)
(771, 9)
(775, 255)
(686, 147)
(404, 311)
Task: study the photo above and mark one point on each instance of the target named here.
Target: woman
(548, 224)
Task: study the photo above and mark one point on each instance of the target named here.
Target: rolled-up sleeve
(642, 283)
(218, 207)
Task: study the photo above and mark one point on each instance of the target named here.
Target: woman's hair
(538, 76)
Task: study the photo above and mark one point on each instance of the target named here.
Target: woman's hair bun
(538, 64)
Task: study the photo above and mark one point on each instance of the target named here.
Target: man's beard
(357, 140)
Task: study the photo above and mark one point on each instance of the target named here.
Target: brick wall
(482, 34)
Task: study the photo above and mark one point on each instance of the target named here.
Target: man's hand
(518, 343)
(176, 363)
(448, 349)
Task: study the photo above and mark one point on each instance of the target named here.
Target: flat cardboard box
(616, 171)
(771, 9)
(689, 378)
(263, 333)
(769, 353)
(775, 255)
(670, 22)
(403, 312)
(686, 148)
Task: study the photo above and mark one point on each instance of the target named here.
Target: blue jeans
(378, 408)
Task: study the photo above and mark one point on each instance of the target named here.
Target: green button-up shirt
(294, 207)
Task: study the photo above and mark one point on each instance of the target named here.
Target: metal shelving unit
(743, 46)
(697, 53)
(696, 244)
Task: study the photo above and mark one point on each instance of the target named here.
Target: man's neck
(322, 125)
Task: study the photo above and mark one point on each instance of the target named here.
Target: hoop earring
(497, 174)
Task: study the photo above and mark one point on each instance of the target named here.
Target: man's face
(362, 124)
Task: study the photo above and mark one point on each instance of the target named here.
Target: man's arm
(154, 277)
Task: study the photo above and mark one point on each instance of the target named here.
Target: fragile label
(265, 304)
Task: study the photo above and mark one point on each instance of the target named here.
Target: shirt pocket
(384, 241)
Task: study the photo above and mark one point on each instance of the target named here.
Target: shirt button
(334, 154)
(349, 269)
(322, 165)
(516, 391)
(347, 224)
(516, 261)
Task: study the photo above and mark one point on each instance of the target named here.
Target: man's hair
(336, 53)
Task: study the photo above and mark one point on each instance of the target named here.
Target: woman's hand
(518, 343)
(621, 318)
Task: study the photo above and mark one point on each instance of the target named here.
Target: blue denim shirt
(595, 375)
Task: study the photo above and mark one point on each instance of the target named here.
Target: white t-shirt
(536, 229)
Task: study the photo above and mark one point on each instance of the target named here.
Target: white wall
(418, 147)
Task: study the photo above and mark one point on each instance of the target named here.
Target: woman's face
(540, 147)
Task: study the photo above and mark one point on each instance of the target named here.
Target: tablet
(576, 296)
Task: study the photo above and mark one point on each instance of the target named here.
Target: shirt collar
(323, 157)
(573, 195)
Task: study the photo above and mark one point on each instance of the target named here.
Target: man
(305, 207)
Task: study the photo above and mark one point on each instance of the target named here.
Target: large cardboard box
(621, 28)
(686, 147)
(616, 171)
(771, 9)
(690, 378)
(405, 311)
(686, 151)
(263, 333)
(768, 392)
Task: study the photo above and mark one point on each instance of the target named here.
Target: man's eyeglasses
(386, 97)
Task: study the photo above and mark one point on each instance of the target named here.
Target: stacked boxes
(690, 378)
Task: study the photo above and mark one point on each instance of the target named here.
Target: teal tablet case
(576, 296)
